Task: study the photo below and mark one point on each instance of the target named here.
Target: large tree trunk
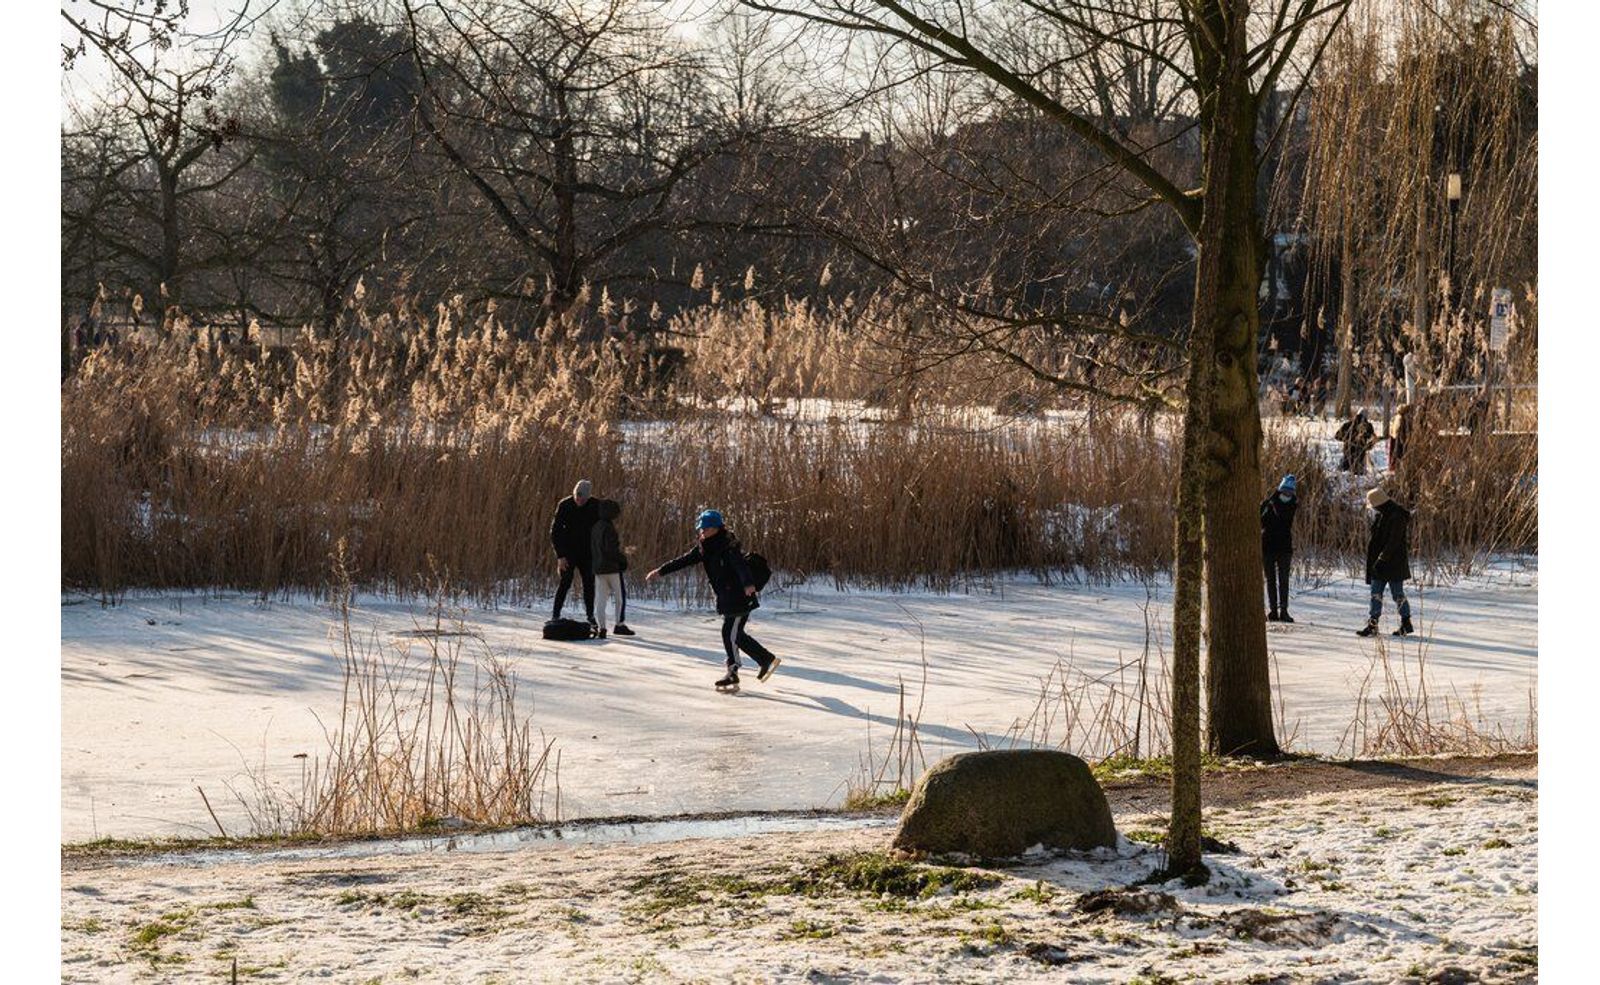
(167, 275)
(1238, 681)
(1230, 248)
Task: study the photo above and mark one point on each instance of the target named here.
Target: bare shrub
(1400, 713)
(422, 741)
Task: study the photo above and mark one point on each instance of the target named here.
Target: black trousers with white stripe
(734, 639)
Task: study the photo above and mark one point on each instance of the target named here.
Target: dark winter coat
(605, 547)
(1357, 432)
(569, 531)
(1277, 524)
(726, 570)
(1386, 548)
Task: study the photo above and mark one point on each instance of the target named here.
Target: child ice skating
(733, 582)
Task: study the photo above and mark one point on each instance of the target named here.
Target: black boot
(1406, 629)
(729, 683)
(1370, 629)
(623, 630)
(1285, 617)
(1272, 616)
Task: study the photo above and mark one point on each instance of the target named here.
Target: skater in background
(1388, 565)
(1358, 437)
(610, 561)
(1277, 547)
(569, 535)
(719, 553)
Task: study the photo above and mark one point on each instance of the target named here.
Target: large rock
(1000, 803)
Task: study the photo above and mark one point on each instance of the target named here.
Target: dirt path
(1303, 778)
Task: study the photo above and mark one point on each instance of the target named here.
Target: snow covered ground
(164, 694)
(1410, 883)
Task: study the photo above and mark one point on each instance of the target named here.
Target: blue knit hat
(708, 520)
(1287, 485)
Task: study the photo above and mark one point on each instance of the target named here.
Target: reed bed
(433, 442)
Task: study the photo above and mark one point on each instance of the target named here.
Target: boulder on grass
(1001, 803)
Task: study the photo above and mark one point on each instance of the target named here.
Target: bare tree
(578, 127)
(158, 131)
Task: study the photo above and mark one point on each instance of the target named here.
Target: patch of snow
(161, 694)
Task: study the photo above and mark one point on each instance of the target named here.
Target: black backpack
(760, 570)
(567, 630)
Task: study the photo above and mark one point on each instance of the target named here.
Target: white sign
(1500, 313)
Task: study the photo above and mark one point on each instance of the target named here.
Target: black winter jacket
(1357, 432)
(605, 547)
(725, 569)
(1277, 524)
(1386, 548)
(569, 531)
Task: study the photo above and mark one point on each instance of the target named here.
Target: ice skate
(729, 684)
(767, 670)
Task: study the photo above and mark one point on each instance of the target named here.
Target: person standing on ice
(719, 553)
(1387, 562)
(569, 535)
(1277, 547)
(1358, 437)
(605, 550)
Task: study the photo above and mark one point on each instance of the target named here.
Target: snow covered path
(162, 694)
(1404, 883)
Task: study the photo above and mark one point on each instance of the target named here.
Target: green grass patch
(108, 847)
(864, 801)
(891, 881)
(879, 875)
(811, 930)
(1496, 843)
(1436, 800)
(89, 925)
(1451, 852)
(155, 931)
(987, 937)
(1039, 893)
(1160, 767)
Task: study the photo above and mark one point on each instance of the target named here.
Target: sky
(91, 73)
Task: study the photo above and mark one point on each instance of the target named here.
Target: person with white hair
(569, 535)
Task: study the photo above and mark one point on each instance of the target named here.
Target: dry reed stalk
(433, 439)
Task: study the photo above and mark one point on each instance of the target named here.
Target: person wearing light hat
(1387, 562)
(1277, 546)
(718, 551)
(569, 535)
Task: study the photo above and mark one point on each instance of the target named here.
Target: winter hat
(1376, 497)
(583, 488)
(708, 520)
(1287, 485)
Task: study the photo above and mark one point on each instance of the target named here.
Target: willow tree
(1408, 94)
